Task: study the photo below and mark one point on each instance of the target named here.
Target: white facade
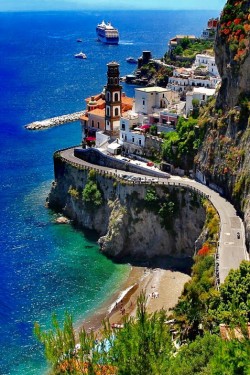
(207, 61)
(182, 81)
(127, 132)
(200, 93)
(149, 98)
(101, 139)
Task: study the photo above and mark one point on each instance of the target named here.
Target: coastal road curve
(231, 245)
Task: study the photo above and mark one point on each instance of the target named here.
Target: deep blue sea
(46, 268)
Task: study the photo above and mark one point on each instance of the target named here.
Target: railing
(150, 180)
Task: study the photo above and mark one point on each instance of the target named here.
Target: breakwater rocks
(54, 121)
(133, 220)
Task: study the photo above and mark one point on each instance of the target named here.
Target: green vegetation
(91, 195)
(187, 49)
(144, 345)
(148, 70)
(232, 304)
(180, 147)
(166, 206)
(153, 130)
(74, 192)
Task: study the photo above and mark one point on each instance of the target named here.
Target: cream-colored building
(149, 98)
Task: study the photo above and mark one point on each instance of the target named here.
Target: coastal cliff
(224, 156)
(132, 220)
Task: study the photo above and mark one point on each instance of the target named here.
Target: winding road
(231, 245)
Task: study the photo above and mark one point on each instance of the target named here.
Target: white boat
(106, 33)
(131, 60)
(80, 55)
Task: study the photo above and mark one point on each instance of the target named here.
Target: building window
(108, 96)
(143, 102)
(107, 111)
(98, 125)
(93, 124)
(140, 142)
(116, 111)
(123, 126)
(133, 139)
(116, 97)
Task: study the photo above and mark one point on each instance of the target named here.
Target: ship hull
(105, 40)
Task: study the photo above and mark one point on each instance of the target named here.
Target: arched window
(108, 96)
(93, 124)
(116, 97)
(107, 111)
(98, 125)
(116, 111)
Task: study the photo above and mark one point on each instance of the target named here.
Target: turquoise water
(44, 267)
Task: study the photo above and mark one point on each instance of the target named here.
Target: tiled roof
(97, 112)
(128, 101)
(84, 118)
(96, 97)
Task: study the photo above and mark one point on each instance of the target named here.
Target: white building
(204, 60)
(149, 98)
(201, 75)
(130, 131)
(200, 93)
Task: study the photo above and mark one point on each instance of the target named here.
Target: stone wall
(93, 156)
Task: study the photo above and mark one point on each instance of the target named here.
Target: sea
(47, 268)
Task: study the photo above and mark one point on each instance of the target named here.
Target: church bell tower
(113, 93)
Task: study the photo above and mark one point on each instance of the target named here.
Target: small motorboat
(131, 60)
(80, 55)
(79, 40)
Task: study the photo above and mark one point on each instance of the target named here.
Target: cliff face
(134, 221)
(232, 53)
(224, 158)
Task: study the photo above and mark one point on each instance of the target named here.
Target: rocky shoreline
(54, 121)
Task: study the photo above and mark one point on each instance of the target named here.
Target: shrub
(91, 194)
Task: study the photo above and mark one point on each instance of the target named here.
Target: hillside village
(117, 124)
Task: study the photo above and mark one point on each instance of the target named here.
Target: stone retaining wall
(94, 156)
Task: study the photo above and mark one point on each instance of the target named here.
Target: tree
(91, 194)
(143, 346)
(232, 305)
(230, 358)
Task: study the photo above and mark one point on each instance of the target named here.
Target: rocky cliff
(232, 53)
(135, 221)
(224, 157)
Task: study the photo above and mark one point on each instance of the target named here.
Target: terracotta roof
(97, 112)
(96, 97)
(84, 118)
(127, 100)
(101, 103)
(228, 333)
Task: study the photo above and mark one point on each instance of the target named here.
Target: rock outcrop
(232, 53)
(134, 220)
(224, 157)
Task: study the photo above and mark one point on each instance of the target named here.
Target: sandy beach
(163, 288)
